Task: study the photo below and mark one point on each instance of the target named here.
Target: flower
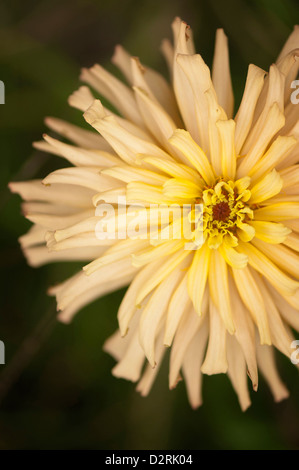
(225, 293)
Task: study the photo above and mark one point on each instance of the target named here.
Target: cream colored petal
(282, 256)
(158, 252)
(182, 35)
(86, 177)
(177, 261)
(181, 84)
(81, 137)
(266, 131)
(245, 232)
(226, 131)
(199, 79)
(280, 337)
(145, 384)
(39, 255)
(292, 157)
(290, 177)
(118, 251)
(84, 239)
(156, 87)
(179, 188)
(291, 127)
(127, 173)
(277, 153)
(270, 232)
(184, 142)
(174, 169)
(190, 324)
(291, 43)
(77, 287)
(232, 257)
(267, 187)
(159, 123)
(155, 82)
(289, 313)
(34, 236)
(292, 224)
(178, 305)
(244, 116)
(219, 291)
(215, 360)
(130, 365)
(85, 225)
(34, 190)
(216, 113)
(112, 196)
(116, 346)
(125, 144)
(122, 59)
(221, 73)
(154, 314)
(97, 111)
(197, 276)
(53, 209)
(289, 65)
(237, 372)
(268, 269)
(191, 366)
(57, 222)
(127, 307)
(88, 296)
(282, 198)
(168, 53)
(245, 332)
(272, 92)
(277, 212)
(292, 241)
(81, 98)
(119, 95)
(266, 363)
(78, 156)
(253, 300)
(138, 192)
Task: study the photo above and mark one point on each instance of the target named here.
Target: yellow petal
(197, 276)
(267, 268)
(183, 141)
(218, 283)
(221, 73)
(267, 187)
(215, 360)
(270, 232)
(277, 212)
(232, 257)
(228, 155)
(244, 116)
(252, 298)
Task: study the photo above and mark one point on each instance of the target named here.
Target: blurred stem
(26, 352)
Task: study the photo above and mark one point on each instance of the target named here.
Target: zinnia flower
(221, 297)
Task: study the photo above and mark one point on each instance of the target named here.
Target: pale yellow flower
(221, 307)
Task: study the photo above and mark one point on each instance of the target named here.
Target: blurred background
(56, 389)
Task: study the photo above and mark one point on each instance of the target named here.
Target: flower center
(224, 214)
(221, 211)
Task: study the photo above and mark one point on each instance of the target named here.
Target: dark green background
(56, 390)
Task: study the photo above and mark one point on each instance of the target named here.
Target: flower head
(204, 214)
